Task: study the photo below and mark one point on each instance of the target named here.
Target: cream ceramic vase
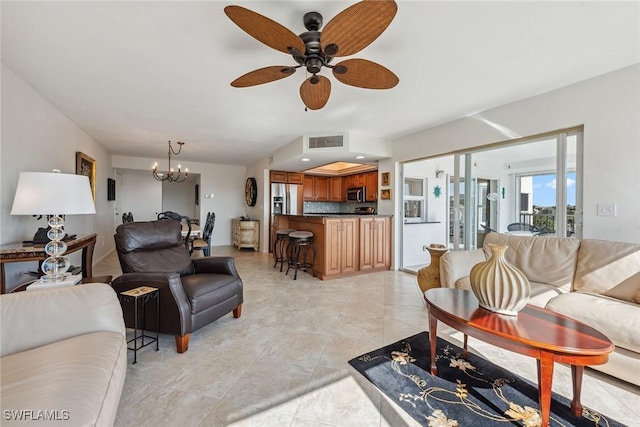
(499, 286)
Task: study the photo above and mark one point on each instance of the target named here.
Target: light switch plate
(605, 209)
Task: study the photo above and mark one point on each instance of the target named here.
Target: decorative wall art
(86, 166)
(437, 191)
(385, 194)
(385, 179)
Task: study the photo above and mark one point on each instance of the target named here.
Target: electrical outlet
(605, 209)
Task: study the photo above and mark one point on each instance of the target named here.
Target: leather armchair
(193, 292)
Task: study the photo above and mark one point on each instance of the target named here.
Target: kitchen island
(345, 245)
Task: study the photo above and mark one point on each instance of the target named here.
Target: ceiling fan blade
(315, 96)
(357, 26)
(365, 74)
(263, 75)
(265, 30)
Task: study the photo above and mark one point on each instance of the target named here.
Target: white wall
(180, 197)
(415, 236)
(226, 183)
(37, 137)
(260, 171)
(608, 107)
(141, 195)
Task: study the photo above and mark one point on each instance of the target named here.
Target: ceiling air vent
(319, 142)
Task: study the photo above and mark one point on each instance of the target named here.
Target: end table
(140, 296)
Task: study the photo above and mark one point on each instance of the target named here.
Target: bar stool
(300, 242)
(280, 246)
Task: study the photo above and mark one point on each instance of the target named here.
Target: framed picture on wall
(385, 194)
(385, 179)
(86, 166)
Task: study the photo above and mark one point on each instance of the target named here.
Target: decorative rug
(466, 392)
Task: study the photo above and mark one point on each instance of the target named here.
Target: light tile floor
(284, 362)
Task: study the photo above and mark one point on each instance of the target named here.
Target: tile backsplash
(334, 207)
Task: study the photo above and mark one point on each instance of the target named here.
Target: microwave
(356, 194)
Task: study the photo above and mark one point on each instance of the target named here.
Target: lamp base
(53, 278)
(44, 284)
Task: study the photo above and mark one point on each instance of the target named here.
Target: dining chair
(204, 243)
(185, 222)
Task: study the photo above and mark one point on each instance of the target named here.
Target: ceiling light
(306, 160)
(171, 176)
(359, 157)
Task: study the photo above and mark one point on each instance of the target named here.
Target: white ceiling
(134, 75)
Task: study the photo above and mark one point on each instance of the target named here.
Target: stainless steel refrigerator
(286, 199)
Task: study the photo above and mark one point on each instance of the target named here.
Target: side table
(140, 296)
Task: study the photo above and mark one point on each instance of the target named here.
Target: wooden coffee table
(537, 332)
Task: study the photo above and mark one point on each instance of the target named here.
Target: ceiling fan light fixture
(345, 34)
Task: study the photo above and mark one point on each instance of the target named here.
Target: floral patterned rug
(466, 392)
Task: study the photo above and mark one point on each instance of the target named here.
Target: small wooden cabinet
(316, 188)
(245, 234)
(286, 177)
(341, 246)
(375, 243)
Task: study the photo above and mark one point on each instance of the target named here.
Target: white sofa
(593, 281)
(63, 355)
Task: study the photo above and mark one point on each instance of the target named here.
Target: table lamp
(53, 194)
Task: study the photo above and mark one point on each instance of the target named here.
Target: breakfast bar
(345, 245)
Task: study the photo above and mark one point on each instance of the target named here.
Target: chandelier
(170, 175)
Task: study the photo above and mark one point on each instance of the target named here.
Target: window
(415, 203)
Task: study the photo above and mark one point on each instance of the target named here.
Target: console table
(21, 252)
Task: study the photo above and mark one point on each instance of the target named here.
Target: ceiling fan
(346, 34)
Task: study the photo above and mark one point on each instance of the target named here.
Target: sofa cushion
(83, 375)
(610, 268)
(598, 311)
(549, 260)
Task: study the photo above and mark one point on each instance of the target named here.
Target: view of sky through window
(544, 189)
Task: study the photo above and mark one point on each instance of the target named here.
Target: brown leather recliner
(193, 292)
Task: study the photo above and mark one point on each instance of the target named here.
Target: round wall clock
(251, 191)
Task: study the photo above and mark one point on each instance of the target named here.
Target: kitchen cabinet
(336, 194)
(316, 188)
(341, 246)
(375, 243)
(245, 234)
(286, 177)
(356, 180)
(371, 185)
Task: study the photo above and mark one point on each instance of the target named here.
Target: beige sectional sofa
(63, 356)
(593, 281)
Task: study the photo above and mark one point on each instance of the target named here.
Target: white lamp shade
(48, 193)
